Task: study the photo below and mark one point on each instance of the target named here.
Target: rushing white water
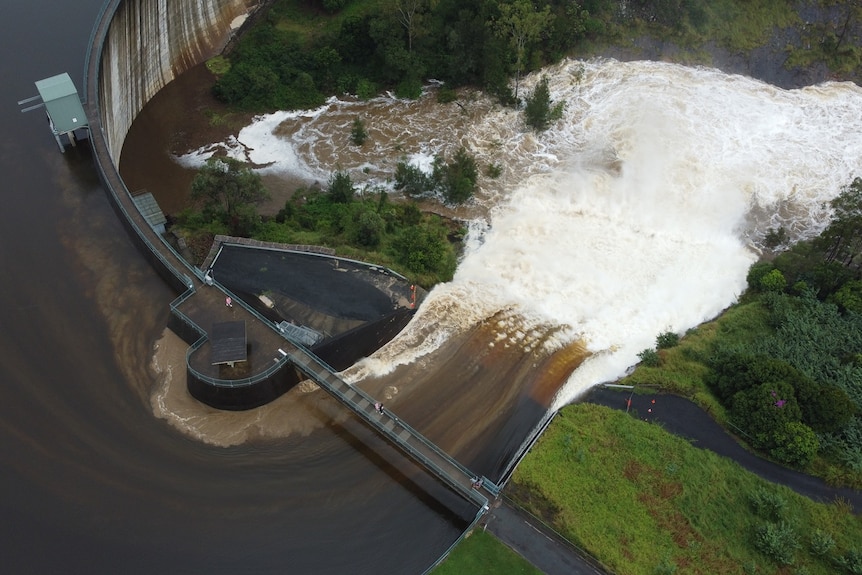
(638, 213)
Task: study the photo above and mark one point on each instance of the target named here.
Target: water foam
(638, 213)
(641, 211)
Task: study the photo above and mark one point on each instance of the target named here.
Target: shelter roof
(228, 342)
(62, 103)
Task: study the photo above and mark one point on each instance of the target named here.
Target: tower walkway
(477, 489)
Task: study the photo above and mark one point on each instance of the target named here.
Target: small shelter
(149, 208)
(63, 105)
(228, 343)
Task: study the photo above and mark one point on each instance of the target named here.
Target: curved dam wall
(137, 47)
(149, 43)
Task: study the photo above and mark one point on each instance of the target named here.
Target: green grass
(483, 554)
(309, 23)
(218, 65)
(682, 367)
(747, 25)
(644, 501)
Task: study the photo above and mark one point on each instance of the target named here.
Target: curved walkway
(682, 417)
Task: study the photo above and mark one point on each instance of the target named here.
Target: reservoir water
(639, 212)
(92, 481)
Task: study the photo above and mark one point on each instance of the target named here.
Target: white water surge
(638, 213)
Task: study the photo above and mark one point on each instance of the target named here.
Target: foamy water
(638, 213)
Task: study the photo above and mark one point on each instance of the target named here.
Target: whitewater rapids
(639, 212)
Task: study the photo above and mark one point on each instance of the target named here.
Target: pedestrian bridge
(472, 487)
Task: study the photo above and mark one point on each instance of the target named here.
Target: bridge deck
(402, 435)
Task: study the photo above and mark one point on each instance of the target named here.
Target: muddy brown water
(95, 477)
(92, 480)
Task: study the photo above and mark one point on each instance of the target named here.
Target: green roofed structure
(65, 112)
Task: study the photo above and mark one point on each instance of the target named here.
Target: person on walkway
(378, 407)
(228, 302)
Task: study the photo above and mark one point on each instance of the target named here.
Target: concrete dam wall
(147, 44)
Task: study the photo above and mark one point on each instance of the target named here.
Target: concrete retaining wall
(148, 44)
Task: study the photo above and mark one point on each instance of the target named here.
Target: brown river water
(95, 477)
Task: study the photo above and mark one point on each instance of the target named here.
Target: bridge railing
(309, 363)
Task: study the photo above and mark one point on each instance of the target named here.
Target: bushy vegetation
(540, 111)
(304, 50)
(644, 501)
(786, 364)
(227, 192)
(368, 226)
(453, 181)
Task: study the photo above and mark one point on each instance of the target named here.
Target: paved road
(538, 545)
(682, 417)
(555, 556)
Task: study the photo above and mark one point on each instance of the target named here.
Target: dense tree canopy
(229, 191)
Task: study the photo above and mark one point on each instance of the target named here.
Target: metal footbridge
(474, 488)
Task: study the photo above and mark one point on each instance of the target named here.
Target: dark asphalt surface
(555, 556)
(309, 279)
(682, 417)
(537, 544)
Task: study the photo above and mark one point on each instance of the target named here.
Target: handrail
(92, 41)
(305, 360)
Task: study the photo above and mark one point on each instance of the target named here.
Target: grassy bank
(644, 502)
(483, 554)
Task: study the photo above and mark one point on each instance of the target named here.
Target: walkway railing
(414, 444)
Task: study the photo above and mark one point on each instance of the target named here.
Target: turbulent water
(637, 213)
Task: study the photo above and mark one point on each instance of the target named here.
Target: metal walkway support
(410, 441)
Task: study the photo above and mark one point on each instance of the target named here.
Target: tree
(340, 188)
(773, 281)
(457, 179)
(540, 111)
(367, 228)
(408, 16)
(849, 296)
(521, 24)
(358, 135)
(841, 241)
(411, 179)
(229, 191)
(423, 249)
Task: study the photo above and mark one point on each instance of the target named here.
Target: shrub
(795, 444)
(667, 340)
(773, 281)
(821, 543)
(410, 88)
(851, 561)
(446, 94)
(767, 503)
(540, 111)
(763, 410)
(650, 357)
(494, 171)
(777, 541)
(358, 135)
(366, 89)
